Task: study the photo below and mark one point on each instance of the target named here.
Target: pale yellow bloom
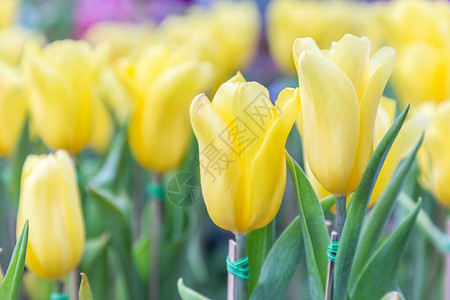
(50, 201)
(60, 86)
(164, 85)
(340, 90)
(13, 108)
(12, 43)
(8, 9)
(241, 138)
(434, 157)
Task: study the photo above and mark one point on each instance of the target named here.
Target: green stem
(340, 214)
(241, 286)
(156, 208)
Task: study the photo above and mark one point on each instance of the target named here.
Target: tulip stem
(155, 206)
(241, 286)
(340, 214)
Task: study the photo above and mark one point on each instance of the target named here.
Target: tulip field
(202, 149)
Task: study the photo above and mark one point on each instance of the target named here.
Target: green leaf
(188, 293)
(380, 275)
(327, 203)
(315, 233)
(259, 243)
(281, 264)
(379, 215)
(439, 238)
(358, 209)
(10, 287)
(85, 289)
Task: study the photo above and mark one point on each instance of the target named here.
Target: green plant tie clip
(332, 250)
(58, 296)
(239, 268)
(155, 191)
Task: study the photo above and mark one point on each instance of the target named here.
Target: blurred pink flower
(89, 12)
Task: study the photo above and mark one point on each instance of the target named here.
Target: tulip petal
(302, 44)
(351, 55)
(330, 114)
(222, 177)
(268, 170)
(381, 65)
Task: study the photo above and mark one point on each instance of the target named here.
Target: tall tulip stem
(241, 286)
(340, 214)
(156, 208)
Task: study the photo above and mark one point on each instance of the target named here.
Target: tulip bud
(50, 200)
(159, 131)
(241, 138)
(13, 108)
(59, 80)
(340, 90)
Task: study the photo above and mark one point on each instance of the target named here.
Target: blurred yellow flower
(13, 40)
(340, 90)
(13, 108)
(164, 83)
(241, 138)
(122, 38)
(60, 86)
(50, 201)
(434, 157)
(8, 10)
(422, 73)
(325, 22)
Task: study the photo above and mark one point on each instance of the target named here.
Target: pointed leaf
(85, 289)
(188, 293)
(380, 275)
(259, 243)
(380, 214)
(358, 209)
(281, 264)
(315, 233)
(10, 287)
(327, 203)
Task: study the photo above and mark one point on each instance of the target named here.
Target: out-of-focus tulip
(422, 73)
(325, 22)
(159, 131)
(59, 80)
(15, 38)
(340, 90)
(50, 201)
(102, 127)
(241, 138)
(407, 138)
(434, 157)
(122, 38)
(13, 107)
(8, 10)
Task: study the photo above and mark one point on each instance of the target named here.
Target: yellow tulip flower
(406, 140)
(340, 90)
(102, 127)
(241, 138)
(8, 10)
(59, 80)
(159, 131)
(50, 201)
(13, 107)
(434, 157)
(15, 38)
(422, 73)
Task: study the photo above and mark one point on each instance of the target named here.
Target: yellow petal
(381, 65)
(302, 44)
(351, 55)
(268, 171)
(330, 116)
(223, 182)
